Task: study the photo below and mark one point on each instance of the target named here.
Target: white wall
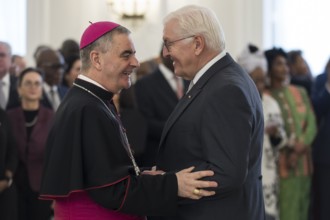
(52, 21)
(13, 24)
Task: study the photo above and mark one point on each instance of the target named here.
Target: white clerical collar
(201, 72)
(86, 78)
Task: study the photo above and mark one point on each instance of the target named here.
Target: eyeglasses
(168, 44)
(31, 84)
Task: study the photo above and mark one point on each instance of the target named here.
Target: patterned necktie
(2, 96)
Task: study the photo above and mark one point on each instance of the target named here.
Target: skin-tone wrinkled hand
(190, 186)
(3, 185)
(189, 183)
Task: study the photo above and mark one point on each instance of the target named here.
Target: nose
(135, 62)
(165, 52)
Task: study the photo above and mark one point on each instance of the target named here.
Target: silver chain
(122, 132)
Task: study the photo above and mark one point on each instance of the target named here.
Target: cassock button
(189, 96)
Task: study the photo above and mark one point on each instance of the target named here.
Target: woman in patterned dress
(295, 159)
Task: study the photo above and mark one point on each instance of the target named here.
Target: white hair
(7, 45)
(198, 20)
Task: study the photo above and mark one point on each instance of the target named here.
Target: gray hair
(198, 20)
(8, 47)
(103, 44)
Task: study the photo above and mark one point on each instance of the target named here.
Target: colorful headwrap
(251, 58)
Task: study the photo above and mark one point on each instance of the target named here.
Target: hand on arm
(3, 185)
(6, 183)
(190, 186)
(300, 148)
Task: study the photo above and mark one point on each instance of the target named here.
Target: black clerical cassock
(85, 152)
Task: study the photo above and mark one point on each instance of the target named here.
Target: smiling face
(279, 70)
(181, 50)
(117, 64)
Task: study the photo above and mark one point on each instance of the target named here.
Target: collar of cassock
(103, 94)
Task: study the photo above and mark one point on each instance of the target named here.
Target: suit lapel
(188, 98)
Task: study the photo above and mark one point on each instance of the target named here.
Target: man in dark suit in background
(321, 150)
(52, 63)
(8, 164)
(8, 88)
(157, 94)
(217, 125)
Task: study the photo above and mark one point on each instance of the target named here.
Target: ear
(199, 44)
(96, 59)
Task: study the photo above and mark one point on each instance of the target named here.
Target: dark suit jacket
(321, 103)
(8, 161)
(13, 100)
(218, 125)
(31, 152)
(62, 90)
(156, 100)
(8, 153)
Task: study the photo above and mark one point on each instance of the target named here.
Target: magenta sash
(79, 206)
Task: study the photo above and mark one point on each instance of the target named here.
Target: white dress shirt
(5, 87)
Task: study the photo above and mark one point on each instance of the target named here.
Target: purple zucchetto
(95, 31)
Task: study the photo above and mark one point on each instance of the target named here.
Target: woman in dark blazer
(8, 163)
(30, 122)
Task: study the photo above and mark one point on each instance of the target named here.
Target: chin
(128, 84)
(177, 72)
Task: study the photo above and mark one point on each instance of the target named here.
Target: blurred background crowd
(296, 101)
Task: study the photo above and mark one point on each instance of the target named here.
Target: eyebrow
(128, 51)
